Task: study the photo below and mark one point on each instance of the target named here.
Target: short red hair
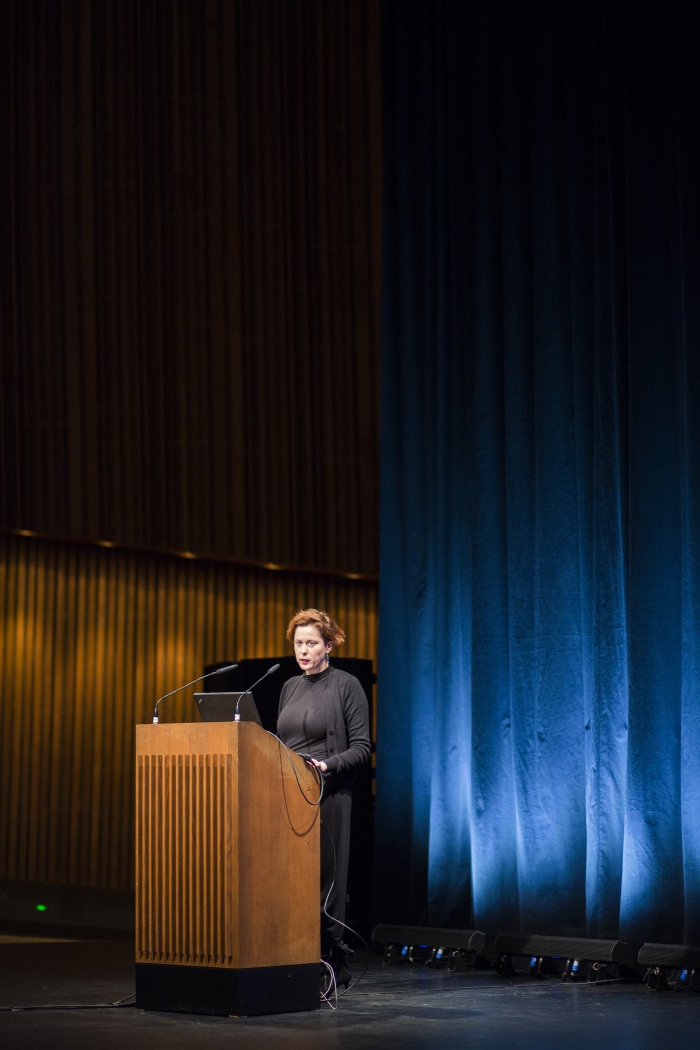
(326, 626)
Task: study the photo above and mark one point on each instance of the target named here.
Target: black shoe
(343, 976)
(339, 960)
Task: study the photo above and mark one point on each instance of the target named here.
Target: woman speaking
(324, 714)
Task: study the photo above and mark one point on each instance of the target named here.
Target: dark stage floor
(392, 1007)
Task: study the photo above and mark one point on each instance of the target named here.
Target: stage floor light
(570, 958)
(670, 967)
(429, 945)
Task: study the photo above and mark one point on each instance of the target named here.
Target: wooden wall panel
(190, 275)
(90, 636)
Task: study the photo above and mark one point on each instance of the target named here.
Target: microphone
(270, 670)
(221, 670)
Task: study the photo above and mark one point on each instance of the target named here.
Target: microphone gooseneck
(220, 670)
(270, 670)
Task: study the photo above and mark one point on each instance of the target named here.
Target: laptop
(221, 707)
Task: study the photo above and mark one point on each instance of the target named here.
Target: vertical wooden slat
(198, 828)
(189, 275)
(168, 831)
(178, 846)
(230, 916)
(89, 638)
(188, 826)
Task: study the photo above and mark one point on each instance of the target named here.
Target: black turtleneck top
(326, 716)
(303, 721)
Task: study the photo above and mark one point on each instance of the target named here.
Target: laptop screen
(221, 707)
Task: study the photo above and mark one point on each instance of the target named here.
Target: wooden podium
(227, 872)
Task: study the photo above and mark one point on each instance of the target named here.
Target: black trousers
(336, 808)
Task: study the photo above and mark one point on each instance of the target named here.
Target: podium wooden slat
(227, 871)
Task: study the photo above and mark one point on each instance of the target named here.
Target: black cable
(331, 918)
(324, 909)
(321, 784)
(123, 1002)
(331, 988)
(314, 769)
(73, 1006)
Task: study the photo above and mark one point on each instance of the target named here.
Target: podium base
(227, 992)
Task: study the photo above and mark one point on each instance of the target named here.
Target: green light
(41, 907)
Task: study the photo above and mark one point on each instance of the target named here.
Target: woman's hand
(319, 765)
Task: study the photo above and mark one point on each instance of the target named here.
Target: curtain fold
(539, 713)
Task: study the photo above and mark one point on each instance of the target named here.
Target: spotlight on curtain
(539, 706)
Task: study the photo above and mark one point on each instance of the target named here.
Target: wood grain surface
(227, 849)
(90, 637)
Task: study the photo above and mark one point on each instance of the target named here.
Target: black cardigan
(348, 721)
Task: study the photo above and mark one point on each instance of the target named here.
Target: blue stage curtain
(539, 708)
